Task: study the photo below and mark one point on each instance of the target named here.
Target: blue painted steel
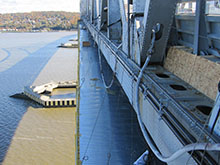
(200, 43)
(108, 127)
(160, 90)
(178, 108)
(199, 30)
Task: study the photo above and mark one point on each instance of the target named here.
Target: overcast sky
(13, 6)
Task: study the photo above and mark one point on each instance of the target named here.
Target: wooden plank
(86, 44)
(199, 72)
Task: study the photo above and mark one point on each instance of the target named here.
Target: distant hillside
(38, 21)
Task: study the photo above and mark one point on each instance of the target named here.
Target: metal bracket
(152, 17)
(214, 122)
(145, 93)
(142, 160)
(113, 20)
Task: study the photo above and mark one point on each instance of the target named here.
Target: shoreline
(75, 30)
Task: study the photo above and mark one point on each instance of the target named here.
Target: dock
(42, 94)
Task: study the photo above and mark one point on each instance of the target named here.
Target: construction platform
(73, 44)
(43, 94)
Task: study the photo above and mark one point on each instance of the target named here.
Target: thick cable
(178, 153)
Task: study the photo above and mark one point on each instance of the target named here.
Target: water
(22, 58)
(30, 134)
(63, 93)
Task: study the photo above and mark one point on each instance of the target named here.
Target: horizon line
(20, 12)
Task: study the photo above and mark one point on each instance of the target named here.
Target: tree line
(39, 21)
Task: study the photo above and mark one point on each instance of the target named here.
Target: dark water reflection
(12, 81)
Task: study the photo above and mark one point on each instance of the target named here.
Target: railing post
(200, 35)
(124, 27)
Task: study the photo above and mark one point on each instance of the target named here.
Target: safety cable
(102, 74)
(114, 22)
(186, 148)
(85, 157)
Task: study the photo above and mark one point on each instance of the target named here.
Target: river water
(30, 134)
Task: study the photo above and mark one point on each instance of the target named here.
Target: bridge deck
(108, 126)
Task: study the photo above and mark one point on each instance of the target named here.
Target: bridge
(164, 54)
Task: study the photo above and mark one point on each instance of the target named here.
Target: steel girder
(114, 20)
(152, 17)
(103, 15)
(124, 26)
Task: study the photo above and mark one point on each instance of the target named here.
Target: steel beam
(139, 7)
(129, 29)
(103, 15)
(135, 44)
(200, 33)
(181, 125)
(91, 9)
(214, 122)
(126, 72)
(151, 18)
(114, 20)
(87, 8)
(94, 12)
(152, 95)
(124, 26)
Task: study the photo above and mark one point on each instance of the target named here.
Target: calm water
(22, 57)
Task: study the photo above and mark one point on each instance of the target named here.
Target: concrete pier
(37, 94)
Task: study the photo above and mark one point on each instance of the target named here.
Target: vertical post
(142, 159)
(124, 26)
(152, 17)
(87, 8)
(129, 29)
(199, 43)
(103, 15)
(114, 20)
(92, 11)
(214, 121)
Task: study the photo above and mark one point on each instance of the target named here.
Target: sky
(14, 6)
